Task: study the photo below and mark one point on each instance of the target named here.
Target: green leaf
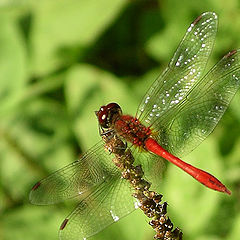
(13, 75)
(66, 24)
(87, 88)
(32, 222)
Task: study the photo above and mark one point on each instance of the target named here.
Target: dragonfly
(179, 110)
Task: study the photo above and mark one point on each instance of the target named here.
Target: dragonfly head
(107, 115)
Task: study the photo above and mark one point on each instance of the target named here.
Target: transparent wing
(109, 202)
(94, 167)
(183, 72)
(153, 166)
(199, 112)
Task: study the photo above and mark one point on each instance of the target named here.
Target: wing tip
(64, 223)
(32, 199)
(197, 19)
(231, 53)
(36, 186)
(202, 15)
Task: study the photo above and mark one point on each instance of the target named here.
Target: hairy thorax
(132, 130)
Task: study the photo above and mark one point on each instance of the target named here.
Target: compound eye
(102, 116)
(113, 107)
(107, 114)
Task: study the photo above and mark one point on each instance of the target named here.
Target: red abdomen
(132, 130)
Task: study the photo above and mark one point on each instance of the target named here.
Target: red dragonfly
(177, 113)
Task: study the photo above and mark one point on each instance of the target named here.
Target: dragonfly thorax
(132, 130)
(127, 127)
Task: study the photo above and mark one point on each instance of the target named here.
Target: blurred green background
(59, 61)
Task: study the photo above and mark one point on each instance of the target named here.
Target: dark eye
(108, 114)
